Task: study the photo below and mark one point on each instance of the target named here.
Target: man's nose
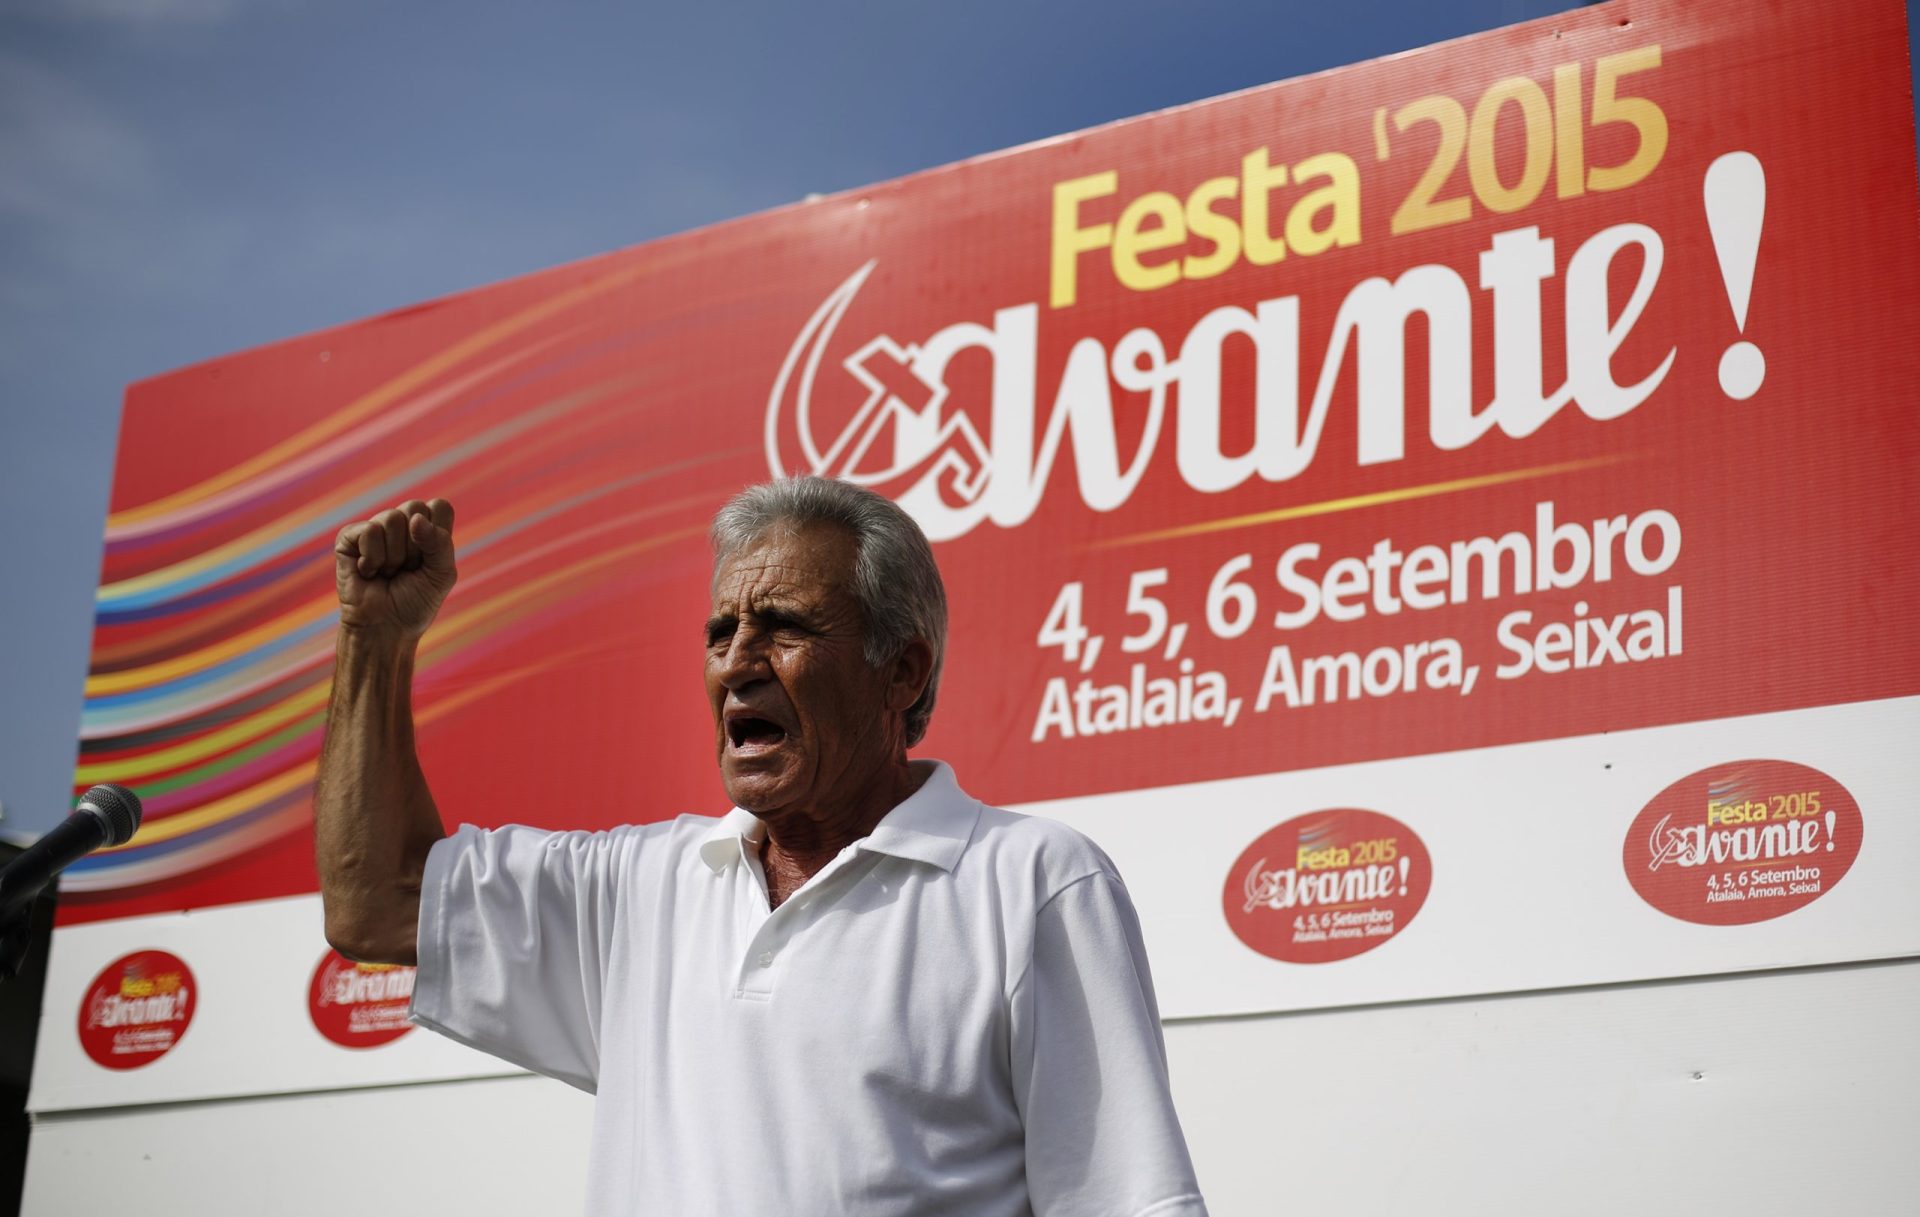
(745, 659)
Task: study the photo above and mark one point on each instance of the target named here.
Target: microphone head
(116, 807)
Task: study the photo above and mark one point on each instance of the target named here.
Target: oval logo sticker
(360, 1005)
(1743, 842)
(1328, 885)
(137, 1009)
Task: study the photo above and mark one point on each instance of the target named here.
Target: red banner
(1543, 384)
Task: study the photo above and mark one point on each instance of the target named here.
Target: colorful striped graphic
(215, 616)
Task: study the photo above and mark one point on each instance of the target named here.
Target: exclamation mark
(1403, 867)
(1830, 820)
(1736, 196)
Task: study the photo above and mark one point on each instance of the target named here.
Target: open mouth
(750, 733)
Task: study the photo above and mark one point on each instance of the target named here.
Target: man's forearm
(374, 818)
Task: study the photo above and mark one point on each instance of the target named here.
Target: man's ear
(908, 675)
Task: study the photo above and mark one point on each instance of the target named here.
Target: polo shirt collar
(727, 843)
(932, 825)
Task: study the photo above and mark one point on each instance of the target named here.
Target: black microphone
(107, 815)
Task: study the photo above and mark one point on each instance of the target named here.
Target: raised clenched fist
(393, 571)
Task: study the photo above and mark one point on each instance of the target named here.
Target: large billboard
(1444, 525)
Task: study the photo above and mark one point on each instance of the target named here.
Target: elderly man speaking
(858, 992)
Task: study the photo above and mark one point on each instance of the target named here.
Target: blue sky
(184, 178)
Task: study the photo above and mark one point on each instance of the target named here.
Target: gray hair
(895, 580)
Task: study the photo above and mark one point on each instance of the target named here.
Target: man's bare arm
(374, 818)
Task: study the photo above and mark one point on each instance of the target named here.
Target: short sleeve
(514, 939)
(1090, 1068)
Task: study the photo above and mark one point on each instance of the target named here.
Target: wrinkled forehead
(807, 562)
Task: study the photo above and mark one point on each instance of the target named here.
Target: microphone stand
(16, 939)
(23, 927)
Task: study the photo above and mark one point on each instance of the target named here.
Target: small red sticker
(1328, 885)
(1743, 842)
(137, 1009)
(360, 1005)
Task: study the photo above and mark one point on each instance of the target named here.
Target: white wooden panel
(512, 1145)
(251, 1033)
(1767, 1095)
(1529, 888)
(1807, 1100)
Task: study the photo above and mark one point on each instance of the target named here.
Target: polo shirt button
(766, 959)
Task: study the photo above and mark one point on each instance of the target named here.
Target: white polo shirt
(953, 1017)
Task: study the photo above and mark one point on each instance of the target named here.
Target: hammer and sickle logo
(902, 430)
